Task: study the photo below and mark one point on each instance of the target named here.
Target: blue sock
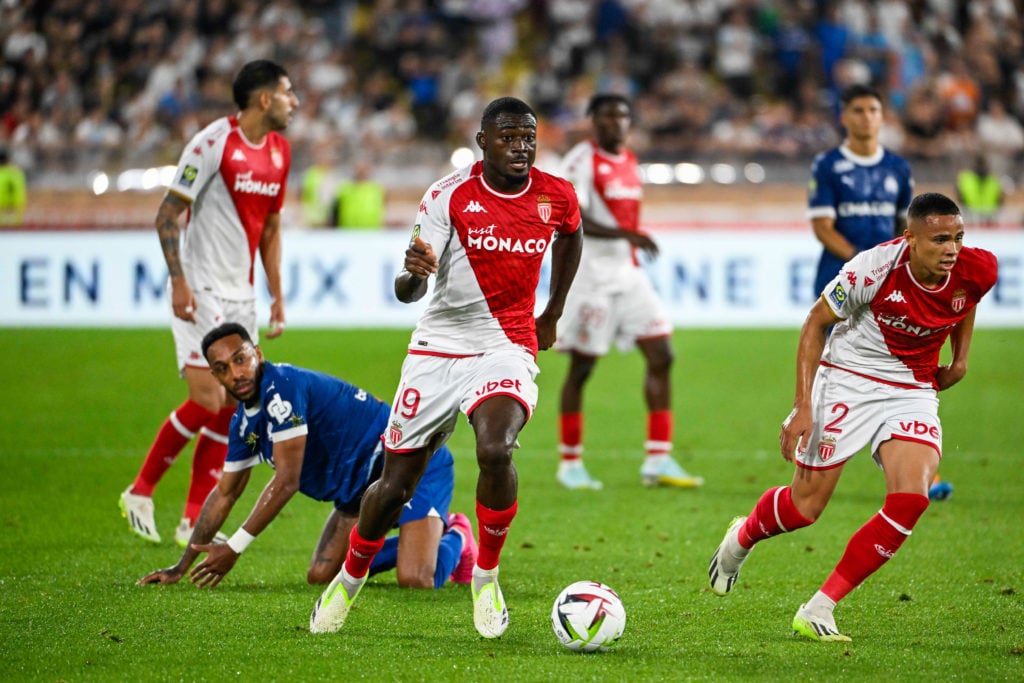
(386, 558)
(448, 553)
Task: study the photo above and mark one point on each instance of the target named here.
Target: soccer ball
(588, 616)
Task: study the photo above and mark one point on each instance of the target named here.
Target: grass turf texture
(83, 405)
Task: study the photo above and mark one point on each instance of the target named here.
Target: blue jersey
(865, 196)
(342, 425)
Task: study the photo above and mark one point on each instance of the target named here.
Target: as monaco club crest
(395, 432)
(827, 448)
(959, 300)
(544, 208)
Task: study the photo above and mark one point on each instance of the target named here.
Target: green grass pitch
(81, 407)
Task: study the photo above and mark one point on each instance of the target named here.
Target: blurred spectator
(980, 192)
(360, 201)
(420, 65)
(1001, 137)
(13, 191)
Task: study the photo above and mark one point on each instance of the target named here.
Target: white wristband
(241, 540)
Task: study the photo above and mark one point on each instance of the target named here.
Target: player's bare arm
(420, 264)
(169, 232)
(215, 511)
(220, 557)
(565, 259)
(960, 343)
(270, 255)
(639, 240)
(830, 238)
(796, 430)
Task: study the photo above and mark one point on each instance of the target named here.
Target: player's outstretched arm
(960, 341)
(565, 259)
(420, 264)
(211, 518)
(221, 557)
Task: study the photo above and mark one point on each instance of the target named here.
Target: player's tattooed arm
(169, 231)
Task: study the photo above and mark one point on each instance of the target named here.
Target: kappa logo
(848, 181)
(474, 207)
(896, 297)
(237, 155)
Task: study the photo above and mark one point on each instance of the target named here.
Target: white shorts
(211, 311)
(594, 318)
(433, 391)
(852, 411)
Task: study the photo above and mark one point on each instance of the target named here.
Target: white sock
(820, 604)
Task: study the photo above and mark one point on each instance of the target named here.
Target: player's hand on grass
(420, 259)
(220, 558)
(162, 576)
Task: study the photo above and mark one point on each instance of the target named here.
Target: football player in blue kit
(859, 191)
(322, 436)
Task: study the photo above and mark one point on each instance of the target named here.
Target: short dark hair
(260, 73)
(859, 90)
(505, 105)
(601, 99)
(221, 331)
(932, 204)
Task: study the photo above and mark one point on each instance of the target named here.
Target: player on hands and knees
(483, 231)
(874, 381)
(322, 437)
(612, 300)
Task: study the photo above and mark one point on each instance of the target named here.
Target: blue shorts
(433, 494)
(432, 497)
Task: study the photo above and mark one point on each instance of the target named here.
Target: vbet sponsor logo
(493, 385)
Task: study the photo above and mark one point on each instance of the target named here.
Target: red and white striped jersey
(893, 328)
(610, 193)
(232, 186)
(490, 247)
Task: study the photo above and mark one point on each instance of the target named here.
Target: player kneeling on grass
(874, 382)
(322, 437)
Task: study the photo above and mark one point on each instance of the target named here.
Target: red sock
(492, 530)
(875, 542)
(208, 461)
(659, 432)
(774, 514)
(570, 435)
(360, 553)
(176, 431)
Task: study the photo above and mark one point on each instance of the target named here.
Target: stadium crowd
(120, 83)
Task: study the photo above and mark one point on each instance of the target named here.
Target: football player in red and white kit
(483, 230)
(613, 300)
(231, 181)
(874, 382)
